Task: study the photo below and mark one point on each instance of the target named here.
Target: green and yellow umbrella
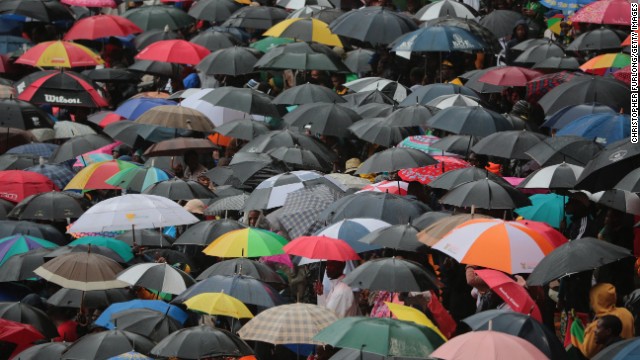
(305, 29)
(93, 177)
(606, 63)
(249, 242)
(219, 304)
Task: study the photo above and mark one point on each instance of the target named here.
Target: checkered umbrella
(59, 174)
(302, 207)
(288, 324)
(38, 149)
(541, 85)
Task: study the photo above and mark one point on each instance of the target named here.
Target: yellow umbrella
(407, 313)
(60, 54)
(219, 304)
(305, 29)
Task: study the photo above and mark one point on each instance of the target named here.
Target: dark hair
(612, 323)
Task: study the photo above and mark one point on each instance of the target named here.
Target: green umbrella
(137, 178)
(548, 208)
(268, 43)
(19, 244)
(118, 246)
(382, 336)
(158, 17)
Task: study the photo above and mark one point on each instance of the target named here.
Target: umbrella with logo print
(64, 88)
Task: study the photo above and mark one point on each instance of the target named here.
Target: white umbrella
(561, 176)
(392, 88)
(135, 210)
(157, 276)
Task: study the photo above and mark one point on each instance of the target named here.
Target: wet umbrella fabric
(394, 209)
(609, 166)
(246, 289)
(27, 314)
(570, 149)
(200, 342)
(52, 206)
(204, 232)
(93, 299)
(373, 24)
(242, 266)
(103, 345)
(486, 194)
(22, 115)
(391, 274)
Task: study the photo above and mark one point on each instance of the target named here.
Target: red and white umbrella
(386, 186)
(427, 174)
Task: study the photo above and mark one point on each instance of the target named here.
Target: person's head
(521, 31)
(578, 204)
(608, 327)
(252, 217)
(337, 80)
(335, 269)
(191, 159)
(477, 160)
(416, 75)
(351, 165)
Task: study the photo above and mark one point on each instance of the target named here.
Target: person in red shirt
(67, 326)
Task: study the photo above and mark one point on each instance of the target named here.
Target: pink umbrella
(555, 237)
(386, 186)
(87, 158)
(91, 3)
(495, 346)
(511, 292)
(282, 259)
(515, 181)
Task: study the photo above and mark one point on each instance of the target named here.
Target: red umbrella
(627, 41)
(174, 51)
(23, 335)
(15, 185)
(509, 76)
(624, 74)
(554, 236)
(60, 54)
(538, 87)
(427, 174)
(390, 187)
(514, 294)
(611, 12)
(59, 88)
(321, 247)
(91, 3)
(101, 26)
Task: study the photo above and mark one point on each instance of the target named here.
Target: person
(603, 302)
(255, 218)
(351, 165)
(608, 329)
(340, 298)
(520, 34)
(582, 224)
(338, 80)
(193, 168)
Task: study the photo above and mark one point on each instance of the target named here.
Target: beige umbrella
(178, 117)
(288, 324)
(432, 234)
(82, 271)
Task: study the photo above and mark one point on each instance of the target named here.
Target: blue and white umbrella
(437, 39)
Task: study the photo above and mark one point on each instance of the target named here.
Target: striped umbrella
(60, 54)
(249, 242)
(93, 176)
(137, 178)
(606, 63)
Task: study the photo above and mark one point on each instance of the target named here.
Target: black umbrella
(598, 39)
(573, 257)
(378, 131)
(245, 175)
(214, 10)
(555, 63)
(159, 17)
(244, 129)
(587, 89)
(631, 182)
(178, 189)
(300, 159)
(614, 350)
(45, 351)
(232, 61)
(395, 159)
(561, 176)
(27, 314)
(246, 289)
(391, 274)
(328, 119)
(470, 120)
(373, 110)
(393, 209)
(155, 68)
(501, 22)
(426, 93)
(538, 53)
(472, 26)
(242, 266)
(256, 17)
(368, 97)
(62, 88)
(149, 37)
(508, 144)
(358, 61)
(520, 325)
(20, 267)
(44, 10)
(287, 138)
(77, 146)
(413, 115)
(372, 24)
(226, 191)
(399, 237)
(453, 178)
(428, 218)
(125, 131)
(200, 342)
(570, 149)
(17, 162)
(110, 75)
(50, 206)
(242, 99)
(106, 344)
(609, 166)
(302, 56)
(149, 323)
(20, 114)
(481, 87)
(621, 200)
(322, 13)
(485, 194)
(71, 298)
(146, 237)
(43, 231)
(204, 232)
(215, 40)
(457, 144)
(307, 94)
(352, 354)
(172, 256)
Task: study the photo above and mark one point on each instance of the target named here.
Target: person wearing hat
(351, 165)
(447, 72)
(195, 207)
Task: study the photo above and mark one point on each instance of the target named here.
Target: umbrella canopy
(94, 176)
(393, 209)
(288, 324)
(514, 294)
(619, 350)
(358, 60)
(178, 117)
(146, 237)
(104, 320)
(372, 24)
(246, 289)
(395, 159)
(302, 56)
(244, 129)
(321, 247)
(22, 335)
(151, 324)
(43, 10)
(485, 194)
(387, 186)
(167, 50)
(384, 336)
(606, 63)
(391, 274)
(554, 63)
(575, 256)
(307, 94)
(159, 17)
(19, 184)
(69, 129)
(631, 182)
(426, 174)
(92, 299)
(119, 247)
(64, 88)
(471, 120)
(17, 162)
(612, 12)
(204, 232)
(501, 345)
(59, 174)
(328, 119)
(508, 144)
(137, 178)
(304, 29)
(438, 39)
(597, 39)
(536, 53)
(148, 37)
(352, 230)
(82, 271)
(609, 166)
(27, 314)
(160, 277)
(408, 313)
(450, 179)
(101, 26)
(509, 76)
(200, 342)
(501, 22)
(620, 200)
(548, 208)
(554, 150)
(562, 176)
(103, 345)
(247, 242)
(445, 101)
(21, 115)
(20, 267)
(377, 131)
(51, 206)
(242, 99)
(586, 89)
(219, 304)
(399, 237)
(45, 351)
(178, 189)
(256, 17)
(133, 108)
(232, 61)
(437, 230)
(20, 244)
(604, 128)
(242, 266)
(43, 231)
(214, 10)
(215, 40)
(445, 8)
(60, 54)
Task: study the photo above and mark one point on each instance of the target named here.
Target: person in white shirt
(340, 298)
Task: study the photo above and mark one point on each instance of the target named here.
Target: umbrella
(137, 178)
(537, 53)
(501, 346)
(501, 22)
(427, 219)
(146, 237)
(178, 189)
(372, 24)
(394, 159)
(219, 304)
(60, 175)
(545, 207)
(392, 89)
(17, 162)
(101, 26)
(414, 115)
(242, 266)
(368, 97)
(27, 314)
(384, 336)
(299, 159)
(437, 39)
(45, 351)
(631, 182)
(245, 175)
(606, 63)
(51, 206)
(255, 17)
(111, 75)
(509, 76)
(166, 50)
(266, 44)
(176, 117)
(43, 10)
(204, 232)
(457, 144)
(623, 74)
(387, 186)
(248, 242)
(328, 119)
(303, 4)
(98, 250)
(69, 129)
(469, 24)
(624, 201)
(391, 274)
(242, 99)
(133, 108)
(555, 63)
(350, 181)
(450, 179)
(103, 345)
(352, 230)
(322, 248)
(575, 256)
(562, 176)
(508, 144)
(21, 115)
(158, 17)
(119, 247)
(358, 60)
(201, 342)
(20, 267)
(445, 8)
(377, 131)
(307, 94)
(485, 194)
(471, 120)
(393, 209)
(408, 313)
(179, 146)
(104, 320)
(19, 184)
(604, 128)
(398, 237)
(586, 89)
(157, 276)
(82, 271)
(288, 324)
(609, 166)
(566, 115)
(91, 299)
(148, 37)
(94, 175)
(43, 231)
(572, 149)
(321, 11)
(514, 294)
(21, 335)
(230, 203)
(151, 324)
(12, 137)
(246, 289)
(302, 56)
(244, 129)
(214, 10)
(304, 29)
(445, 101)
(437, 230)
(619, 350)
(36, 149)
(231, 61)
(611, 12)
(597, 39)
(215, 40)
(60, 88)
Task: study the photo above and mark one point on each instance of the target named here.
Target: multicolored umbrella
(19, 244)
(64, 88)
(610, 12)
(426, 174)
(119, 247)
(249, 242)
(386, 186)
(408, 313)
(93, 176)
(305, 29)
(60, 54)
(422, 143)
(606, 63)
(137, 178)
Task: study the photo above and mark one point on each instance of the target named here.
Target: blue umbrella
(10, 43)
(604, 128)
(548, 208)
(10, 24)
(564, 116)
(175, 312)
(59, 174)
(39, 149)
(133, 108)
(438, 38)
(565, 5)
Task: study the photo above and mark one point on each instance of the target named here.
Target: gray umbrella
(351, 354)
(148, 37)
(20, 267)
(106, 344)
(204, 232)
(378, 131)
(413, 115)
(159, 17)
(72, 298)
(373, 24)
(215, 40)
(242, 266)
(229, 203)
(244, 288)
(242, 99)
(146, 237)
(479, 86)
(43, 231)
(368, 97)
(288, 138)
(49, 206)
(17, 162)
(300, 159)
(508, 144)
(631, 182)
(538, 53)
(326, 119)
(155, 68)
(231, 61)
(244, 129)
(587, 89)
(46, 351)
(485, 194)
(214, 10)
(307, 94)
(555, 63)
(570, 149)
(429, 218)
(373, 110)
(391, 274)
(149, 323)
(426, 93)
(201, 342)
(77, 146)
(393, 209)
(501, 22)
(457, 144)
(398, 237)
(178, 189)
(358, 60)
(256, 17)
(471, 120)
(598, 39)
(453, 178)
(395, 159)
(283, 57)
(27, 314)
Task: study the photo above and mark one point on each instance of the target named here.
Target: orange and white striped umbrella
(495, 244)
